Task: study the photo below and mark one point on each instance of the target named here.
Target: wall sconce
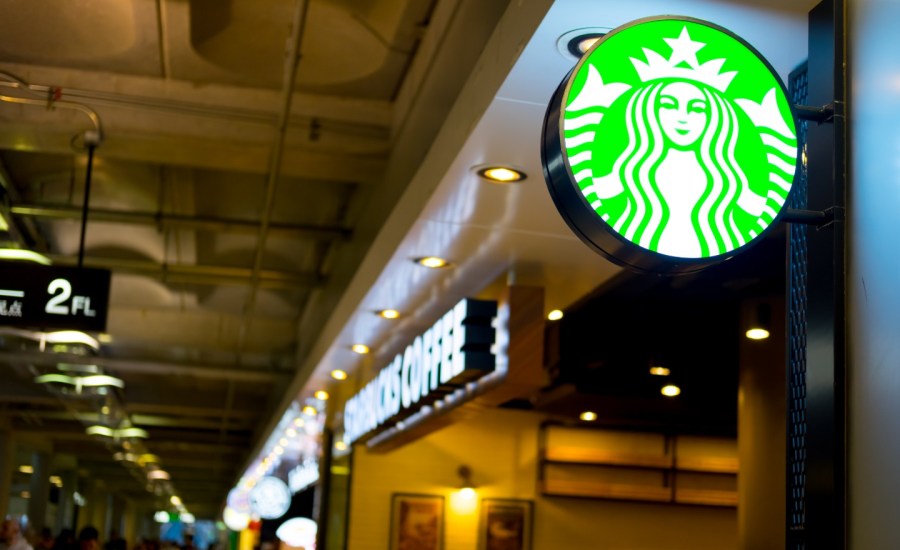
(466, 486)
(761, 324)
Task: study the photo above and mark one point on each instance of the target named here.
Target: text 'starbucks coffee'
(670, 146)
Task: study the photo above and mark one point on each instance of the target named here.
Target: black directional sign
(38, 296)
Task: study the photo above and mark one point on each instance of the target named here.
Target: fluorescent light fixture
(147, 458)
(90, 381)
(105, 431)
(161, 517)
(26, 469)
(71, 337)
(187, 517)
(4, 224)
(158, 475)
(321, 395)
(670, 390)
(501, 174)
(588, 416)
(102, 431)
(338, 374)
(20, 255)
(555, 315)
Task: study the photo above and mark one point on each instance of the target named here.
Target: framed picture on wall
(417, 522)
(505, 525)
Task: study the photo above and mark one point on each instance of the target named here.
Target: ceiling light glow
(321, 395)
(757, 333)
(361, 349)
(670, 390)
(659, 371)
(501, 174)
(588, 416)
(389, 313)
(432, 262)
(338, 374)
(555, 315)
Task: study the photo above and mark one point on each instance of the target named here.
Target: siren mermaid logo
(679, 137)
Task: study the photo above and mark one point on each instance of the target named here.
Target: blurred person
(88, 538)
(65, 540)
(11, 536)
(115, 542)
(46, 541)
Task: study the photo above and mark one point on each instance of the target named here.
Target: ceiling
(254, 227)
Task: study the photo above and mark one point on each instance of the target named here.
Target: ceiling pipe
(291, 62)
(179, 221)
(199, 274)
(158, 368)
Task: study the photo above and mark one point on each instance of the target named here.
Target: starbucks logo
(670, 146)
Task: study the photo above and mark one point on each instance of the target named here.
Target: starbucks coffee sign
(456, 350)
(670, 146)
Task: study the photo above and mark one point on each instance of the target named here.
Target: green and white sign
(670, 146)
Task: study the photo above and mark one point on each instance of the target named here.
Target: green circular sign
(670, 146)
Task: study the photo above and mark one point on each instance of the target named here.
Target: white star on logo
(684, 49)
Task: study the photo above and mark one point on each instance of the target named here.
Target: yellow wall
(501, 449)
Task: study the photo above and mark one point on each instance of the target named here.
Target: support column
(762, 405)
(65, 508)
(40, 491)
(7, 465)
(874, 272)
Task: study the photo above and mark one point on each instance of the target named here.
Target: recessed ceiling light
(588, 416)
(501, 174)
(584, 43)
(757, 333)
(322, 395)
(299, 421)
(555, 315)
(175, 500)
(659, 371)
(283, 442)
(310, 410)
(361, 349)
(576, 43)
(338, 374)
(432, 262)
(340, 445)
(670, 390)
(389, 313)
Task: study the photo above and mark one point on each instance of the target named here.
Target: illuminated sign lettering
(454, 351)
